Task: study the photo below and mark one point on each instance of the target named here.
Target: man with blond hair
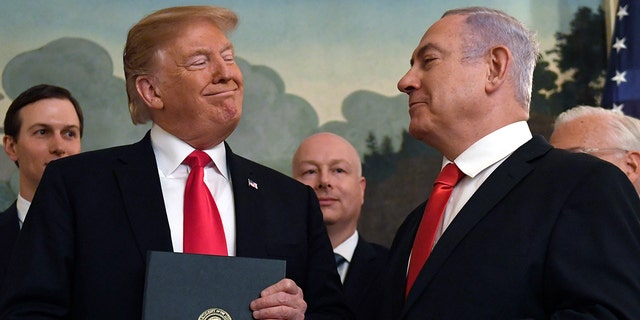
(96, 215)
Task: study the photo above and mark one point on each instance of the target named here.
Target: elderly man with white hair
(608, 134)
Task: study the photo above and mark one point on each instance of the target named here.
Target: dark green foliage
(581, 54)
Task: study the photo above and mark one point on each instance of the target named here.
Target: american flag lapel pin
(252, 184)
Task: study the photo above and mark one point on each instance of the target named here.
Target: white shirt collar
(492, 148)
(171, 151)
(22, 205)
(347, 247)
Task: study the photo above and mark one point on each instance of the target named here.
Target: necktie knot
(450, 175)
(339, 259)
(197, 158)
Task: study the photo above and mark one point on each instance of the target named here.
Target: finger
(284, 285)
(278, 299)
(279, 312)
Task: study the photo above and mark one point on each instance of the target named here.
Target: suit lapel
(250, 220)
(359, 275)
(515, 168)
(137, 177)
(396, 278)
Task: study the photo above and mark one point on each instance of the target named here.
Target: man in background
(42, 124)
(513, 229)
(607, 134)
(332, 167)
(105, 210)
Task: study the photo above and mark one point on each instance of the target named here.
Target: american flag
(252, 184)
(622, 87)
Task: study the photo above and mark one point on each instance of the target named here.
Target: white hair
(624, 130)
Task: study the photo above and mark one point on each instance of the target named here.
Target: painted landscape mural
(309, 66)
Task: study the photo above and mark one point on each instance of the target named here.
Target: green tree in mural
(380, 159)
(387, 147)
(544, 84)
(372, 145)
(581, 57)
(412, 147)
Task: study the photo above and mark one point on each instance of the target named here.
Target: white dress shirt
(22, 206)
(478, 162)
(170, 152)
(346, 249)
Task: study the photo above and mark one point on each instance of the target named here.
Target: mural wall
(308, 66)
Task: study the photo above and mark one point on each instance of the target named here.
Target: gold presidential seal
(214, 314)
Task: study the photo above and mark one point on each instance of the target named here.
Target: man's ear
(499, 62)
(632, 165)
(10, 147)
(363, 186)
(148, 91)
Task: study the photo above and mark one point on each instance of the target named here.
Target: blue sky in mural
(323, 50)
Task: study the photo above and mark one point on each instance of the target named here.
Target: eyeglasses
(595, 150)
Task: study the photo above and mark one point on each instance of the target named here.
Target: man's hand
(283, 300)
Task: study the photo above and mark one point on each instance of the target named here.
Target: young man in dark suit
(42, 124)
(332, 166)
(528, 231)
(96, 215)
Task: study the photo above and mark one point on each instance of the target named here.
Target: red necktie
(425, 237)
(203, 232)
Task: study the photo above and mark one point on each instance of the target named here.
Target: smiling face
(49, 129)
(196, 91)
(330, 165)
(443, 86)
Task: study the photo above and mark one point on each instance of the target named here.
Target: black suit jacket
(549, 235)
(82, 250)
(9, 229)
(362, 282)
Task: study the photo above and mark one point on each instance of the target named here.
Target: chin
(232, 124)
(233, 114)
(415, 132)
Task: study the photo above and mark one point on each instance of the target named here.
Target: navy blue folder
(193, 286)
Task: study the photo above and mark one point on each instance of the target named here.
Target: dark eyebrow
(429, 46)
(46, 125)
(39, 126)
(71, 126)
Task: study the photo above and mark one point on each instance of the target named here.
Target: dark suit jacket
(9, 229)
(549, 235)
(82, 251)
(362, 283)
